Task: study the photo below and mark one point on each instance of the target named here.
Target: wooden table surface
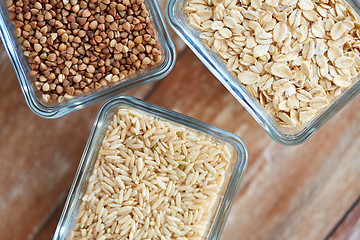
(307, 192)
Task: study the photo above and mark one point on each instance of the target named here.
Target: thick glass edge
(11, 51)
(78, 179)
(249, 104)
(82, 102)
(229, 197)
(87, 157)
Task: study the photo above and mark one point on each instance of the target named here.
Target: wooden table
(307, 192)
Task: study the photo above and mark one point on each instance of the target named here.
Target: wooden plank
(179, 44)
(48, 229)
(349, 228)
(42, 224)
(38, 157)
(287, 192)
(264, 183)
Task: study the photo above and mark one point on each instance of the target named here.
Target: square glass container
(284, 135)
(227, 193)
(55, 109)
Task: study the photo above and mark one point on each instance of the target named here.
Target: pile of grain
(293, 56)
(75, 46)
(152, 180)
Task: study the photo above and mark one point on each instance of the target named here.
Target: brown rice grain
(152, 180)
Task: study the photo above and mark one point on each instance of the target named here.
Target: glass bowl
(227, 193)
(55, 109)
(284, 135)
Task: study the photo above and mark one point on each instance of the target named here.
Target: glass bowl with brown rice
(151, 173)
(292, 64)
(72, 53)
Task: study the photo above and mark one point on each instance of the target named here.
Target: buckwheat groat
(74, 46)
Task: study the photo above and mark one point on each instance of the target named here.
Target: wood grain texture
(287, 192)
(38, 157)
(349, 228)
(179, 44)
(48, 229)
(291, 193)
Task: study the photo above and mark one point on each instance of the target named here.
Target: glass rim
(58, 110)
(240, 159)
(218, 69)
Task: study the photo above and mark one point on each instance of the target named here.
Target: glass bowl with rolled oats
(69, 54)
(151, 173)
(291, 63)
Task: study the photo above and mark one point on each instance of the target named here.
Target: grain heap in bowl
(77, 46)
(294, 56)
(153, 179)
